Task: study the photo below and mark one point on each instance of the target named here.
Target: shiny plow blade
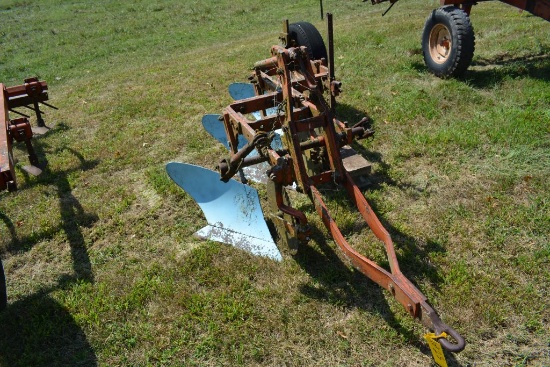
(232, 209)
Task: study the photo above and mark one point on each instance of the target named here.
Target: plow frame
(293, 85)
(7, 173)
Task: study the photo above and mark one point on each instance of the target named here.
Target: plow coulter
(281, 131)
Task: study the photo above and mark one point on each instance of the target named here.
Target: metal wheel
(440, 43)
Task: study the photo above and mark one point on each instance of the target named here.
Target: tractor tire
(305, 34)
(448, 42)
(3, 293)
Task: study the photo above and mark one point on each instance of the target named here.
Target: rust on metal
(540, 8)
(7, 175)
(29, 95)
(313, 139)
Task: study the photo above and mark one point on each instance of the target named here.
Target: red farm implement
(28, 95)
(283, 124)
(448, 39)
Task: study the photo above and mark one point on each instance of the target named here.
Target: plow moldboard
(232, 209)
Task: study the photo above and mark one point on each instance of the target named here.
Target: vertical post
(331, 60)
(285, 36)
(321, 4)
(39, 120)
(7, 174)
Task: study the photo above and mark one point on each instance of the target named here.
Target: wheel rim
(440, 43)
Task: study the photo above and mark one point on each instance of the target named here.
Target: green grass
(102, 267)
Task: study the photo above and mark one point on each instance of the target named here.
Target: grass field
(101, 263)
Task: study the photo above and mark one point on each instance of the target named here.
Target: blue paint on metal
(239, 91)
(232, 209)
(214, 126)
(276, 142)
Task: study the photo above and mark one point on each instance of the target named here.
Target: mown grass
(101, 263)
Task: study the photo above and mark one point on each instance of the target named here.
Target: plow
(281, 131)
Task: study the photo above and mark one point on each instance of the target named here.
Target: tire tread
(465, 41)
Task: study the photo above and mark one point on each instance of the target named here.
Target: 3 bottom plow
(281, 131)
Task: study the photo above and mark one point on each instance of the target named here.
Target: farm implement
(448, 39)
(28, 95)
(281, 130)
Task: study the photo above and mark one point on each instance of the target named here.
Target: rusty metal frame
(294, 85)
(7, 173)
(539, 8)
(28, 95)
(32, 92)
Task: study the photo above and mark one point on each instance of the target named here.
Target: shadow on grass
(494, 71)
(489, 72)
(37, 330)
(345, 286)
(73, 216)
(413, 258)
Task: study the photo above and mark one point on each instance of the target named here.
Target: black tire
(305, 34)
(3, 293)
(448, 42)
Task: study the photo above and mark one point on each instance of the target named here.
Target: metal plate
(232, 209)
(33, 170)
(40, 130)
(213, 124)
(241, 91)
